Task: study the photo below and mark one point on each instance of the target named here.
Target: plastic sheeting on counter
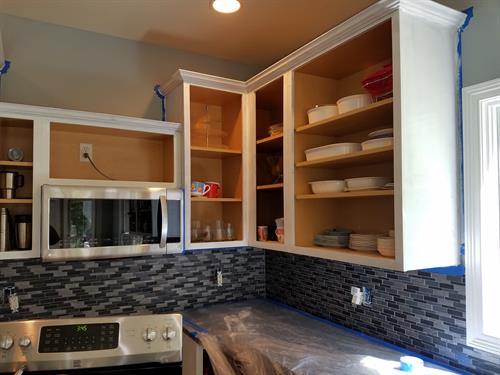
(263, 338)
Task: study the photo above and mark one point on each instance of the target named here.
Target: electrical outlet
(85, 148)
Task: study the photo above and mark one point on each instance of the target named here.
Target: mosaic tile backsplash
(132, 285)
(423, 312)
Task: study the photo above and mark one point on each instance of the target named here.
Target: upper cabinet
(212, 112)
(126, 151)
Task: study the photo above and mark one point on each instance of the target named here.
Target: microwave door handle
(164, 221)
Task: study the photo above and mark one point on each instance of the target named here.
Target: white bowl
(385, 246)
(322, 112)
(362, 183)
(350, 103)
(334, 149)
(329, 186)
(377, 142)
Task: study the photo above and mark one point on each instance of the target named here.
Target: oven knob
(149, 334)
(6, 342)
(168, 334)
(24, 342)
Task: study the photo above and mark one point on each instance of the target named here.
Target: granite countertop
(260, 337)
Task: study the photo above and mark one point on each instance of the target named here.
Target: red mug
(215, 190)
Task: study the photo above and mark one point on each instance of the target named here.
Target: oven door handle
(164, 220)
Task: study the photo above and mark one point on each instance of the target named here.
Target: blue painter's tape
(160, 95)
(460, 269)
(365, 336)
(195, 328)
(184, 222)
(5, 67)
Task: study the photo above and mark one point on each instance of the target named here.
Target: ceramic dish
(377, 143)
(319, 113)
(352, 102)
(382, 133)
(385, 246)
(329, 186)
(334, 149)
(364, 183)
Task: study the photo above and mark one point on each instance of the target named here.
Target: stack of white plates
(385, 246)
(363, 242)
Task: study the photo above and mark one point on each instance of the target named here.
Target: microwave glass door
(84, 227)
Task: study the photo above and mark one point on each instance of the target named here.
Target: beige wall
(62, 67)
(481, 40)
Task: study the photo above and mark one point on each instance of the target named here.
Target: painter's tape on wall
(160, 95)
(5, 67)
(460, 269)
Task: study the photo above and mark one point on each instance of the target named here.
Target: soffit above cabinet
(261, 33)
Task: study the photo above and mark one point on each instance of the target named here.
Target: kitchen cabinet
(419, 40)
(135, 152)
(212, 110)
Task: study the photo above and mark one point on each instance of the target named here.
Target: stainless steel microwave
(110, 222)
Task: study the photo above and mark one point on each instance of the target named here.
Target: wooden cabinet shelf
(356, 158)
(212, 200)
(270, 144)
(348, 194)
(16, 201)
(270, 186)
(350, 252)
(375, 114)
(213, 152)
(16, 164)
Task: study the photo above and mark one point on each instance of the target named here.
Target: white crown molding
(89, 118)
(203, 80)
(356, 25)
(433, 12)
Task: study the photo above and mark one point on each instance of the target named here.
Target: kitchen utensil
(352, 102)
(363, 242)
(199, 189)
(275, 129)
(334, 149)
(379, 83)
(280, 229)
(382, 133)
(9, 182)
(328, 186)
(385, 246)
(15, 154)
(214, 190)
(333, 238)
(5, 235)
(319, 113)
(276, 164)
(262, 232)
(364, 183)
(219, 231)
(207, 233)
(377, 142)
(195, 230)
(23, 231)
(229, 232)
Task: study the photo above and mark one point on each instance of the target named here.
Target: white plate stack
(363, 242)
(385, 246)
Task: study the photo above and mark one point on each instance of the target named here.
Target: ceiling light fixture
(226, 6)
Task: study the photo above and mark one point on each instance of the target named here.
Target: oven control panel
(76, 343)
(78, 337)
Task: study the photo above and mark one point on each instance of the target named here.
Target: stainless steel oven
(109, 222)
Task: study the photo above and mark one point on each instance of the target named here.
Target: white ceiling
(261, 33)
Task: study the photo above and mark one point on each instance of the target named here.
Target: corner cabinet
(213, 111)
(133, 152)
(423, 207)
